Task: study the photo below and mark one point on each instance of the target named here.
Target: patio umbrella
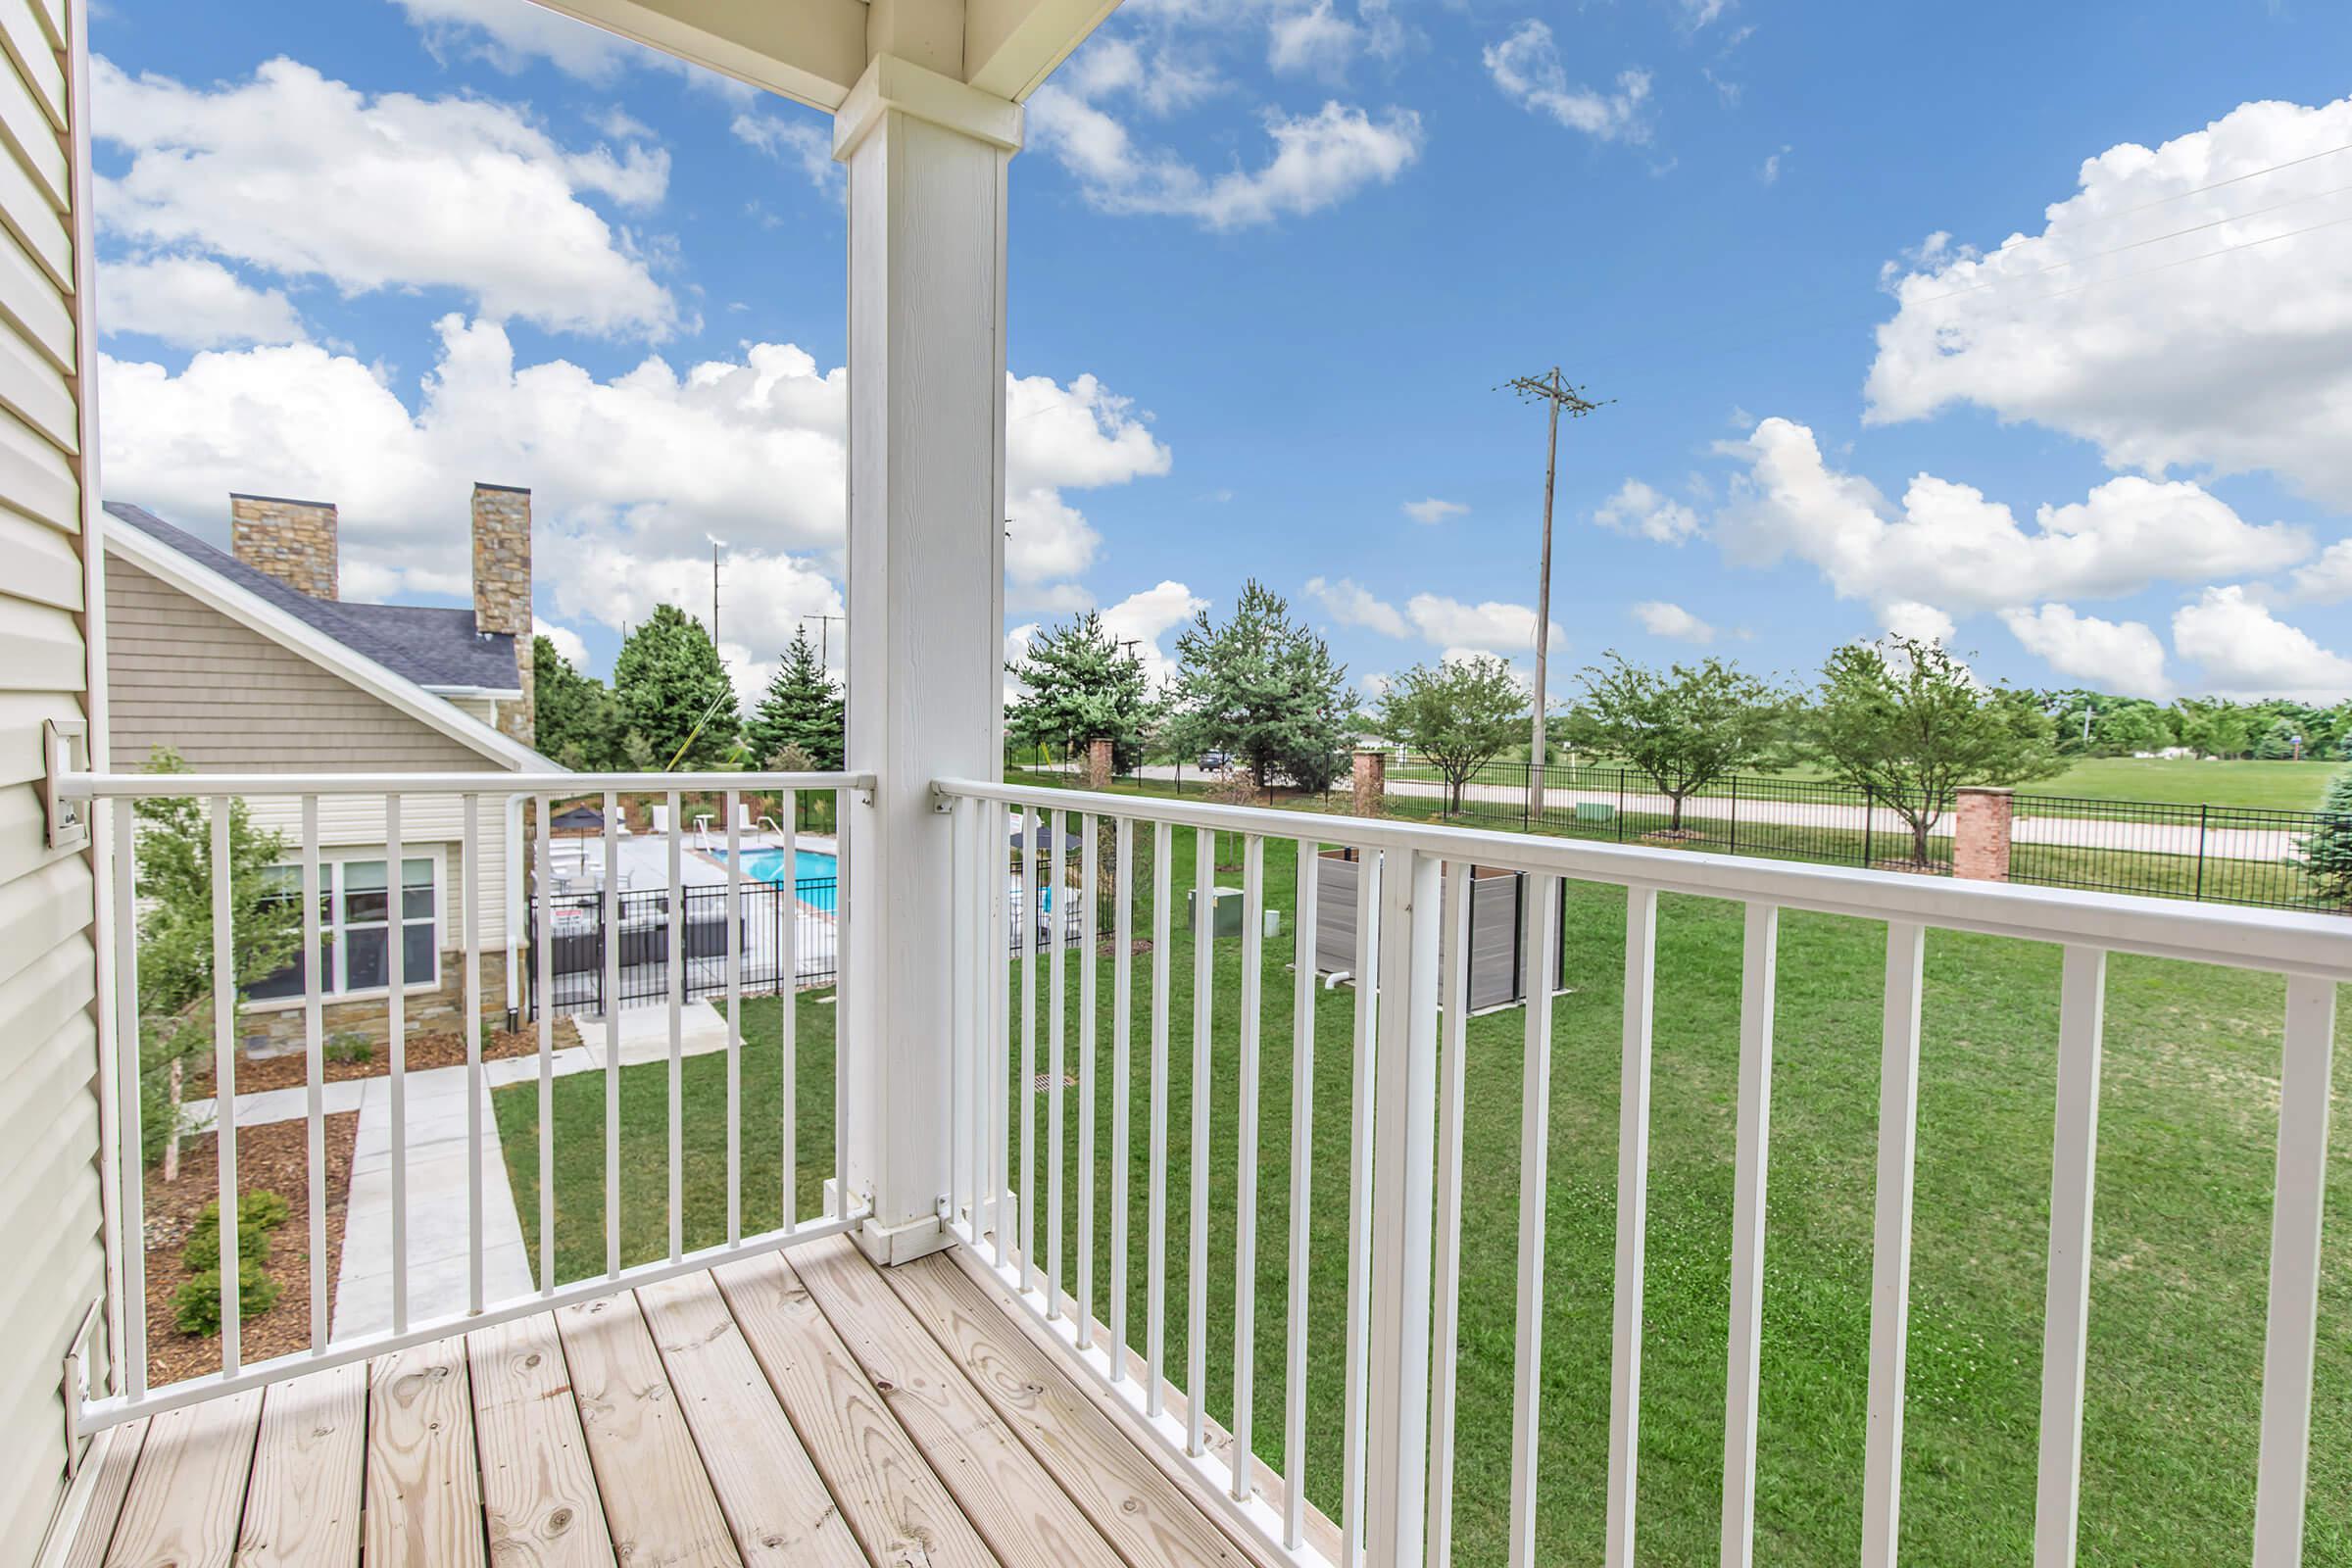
(578, 819)
(1040, 839)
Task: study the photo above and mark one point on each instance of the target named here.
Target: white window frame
(332, 864)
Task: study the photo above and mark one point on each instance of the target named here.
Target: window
(354, 928)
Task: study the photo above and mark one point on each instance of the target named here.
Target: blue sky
(1269, 261)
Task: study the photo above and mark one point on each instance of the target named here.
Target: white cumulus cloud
(2124, 657)
(1663, 619)
(632, 477)
(1528, 70)
(192, 303)
(2184, 308)
(2328, 579)
(1641, 510)
(299, 176)
(1951, 546)
(1489, 626)
(1431, 509)
(798, 141)
(1353, 604)
(2244, 651)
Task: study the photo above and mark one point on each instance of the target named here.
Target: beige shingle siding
(50, 1227)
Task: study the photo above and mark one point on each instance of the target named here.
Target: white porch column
(927, 158)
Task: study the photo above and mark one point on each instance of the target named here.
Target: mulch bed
(274, 1157)
(1914, 867)
(289, 1072)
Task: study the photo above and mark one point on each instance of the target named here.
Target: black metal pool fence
(2220, 854)
(576, 970)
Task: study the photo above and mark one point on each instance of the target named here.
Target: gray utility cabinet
(1498, 927)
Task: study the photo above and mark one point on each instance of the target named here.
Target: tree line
(673, 707)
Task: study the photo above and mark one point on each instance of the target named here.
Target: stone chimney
(293, 541)
(501, 591)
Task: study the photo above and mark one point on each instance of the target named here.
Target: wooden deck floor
(805, 1410)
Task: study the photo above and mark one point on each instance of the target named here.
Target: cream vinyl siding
(180, 674)
(50, 1217)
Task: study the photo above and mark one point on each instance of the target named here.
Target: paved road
(2086, 833)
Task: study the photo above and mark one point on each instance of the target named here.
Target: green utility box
(1595, 812)
(1228, 912)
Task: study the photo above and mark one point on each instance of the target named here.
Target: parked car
(1215, 762)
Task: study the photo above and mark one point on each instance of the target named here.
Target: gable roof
(438, 649)
(260, 603)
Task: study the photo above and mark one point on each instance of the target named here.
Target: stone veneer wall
(1981, 834)
(502, 592)
(439, 1012)
(293, 541)
(1369, 783)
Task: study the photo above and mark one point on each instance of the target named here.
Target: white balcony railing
(1405, 1217)
(496, 818)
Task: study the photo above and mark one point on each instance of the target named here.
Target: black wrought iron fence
(575, 978)
(2229, 855)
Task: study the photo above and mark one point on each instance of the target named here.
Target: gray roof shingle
(432, 646)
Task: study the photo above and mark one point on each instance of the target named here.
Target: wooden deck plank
(189, 1489)
(539, 1496)
(997, 1481)
(773, 1498)
(903, 1515)
(118, 1457)
(657, 1498)
(423, 1497)
(302, 1506)
(953, 1288)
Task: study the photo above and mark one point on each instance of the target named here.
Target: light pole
(1554, 390)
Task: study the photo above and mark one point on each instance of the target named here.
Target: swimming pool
(813, 873)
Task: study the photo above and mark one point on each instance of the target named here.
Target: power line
(2201, 256)
(2118, 250)
(2251, 173)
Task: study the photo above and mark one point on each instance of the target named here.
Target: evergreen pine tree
(674, 693)
(800, 708)
(1265, 689)
(577, 722)
(1080, 687)
(2328, 847)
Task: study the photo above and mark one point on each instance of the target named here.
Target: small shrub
(196, 1304)
(2326, 849)
(349, 1048)
(258, 1214)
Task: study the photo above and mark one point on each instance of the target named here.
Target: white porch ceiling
(813, 51)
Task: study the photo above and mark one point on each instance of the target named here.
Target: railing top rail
(2280, 941)
(165, 786)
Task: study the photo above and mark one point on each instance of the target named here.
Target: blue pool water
(814, 871)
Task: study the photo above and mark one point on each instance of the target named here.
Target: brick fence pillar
(1098, 764)
(1371, 781)
(1981, 835)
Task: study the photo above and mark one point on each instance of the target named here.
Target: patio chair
(662, 820)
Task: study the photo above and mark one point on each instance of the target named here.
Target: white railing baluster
(1122, 1082)
(1359, 1208)
(845, 893)
(1454, 1003)
(1406, 1129)
(1535, 1164)
(1056, 910)
(1025, 1095)
(734, 914)
(1155, 1223)
(396, 909)
(543, 928)
(1633, 1218)
(2065, 1303)
(987, 959)
(469, 871)
(1004, 924)
(1302, 1159)
(1196, 1280)
(675, 895)
(610, 937)
(1085, 918)
(2291, 1343)
(963, 1079)
(788, 1039)
(1891, 1256)
(1756, 987)
(131, 1138)
(224, 1085)
(314, 1055)
(1244, 1236)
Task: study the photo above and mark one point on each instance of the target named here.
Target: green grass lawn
(2278, 786)
(2177, 1295)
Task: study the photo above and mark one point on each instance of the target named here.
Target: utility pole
(716, 545)
(824, 632)
(1554, 390)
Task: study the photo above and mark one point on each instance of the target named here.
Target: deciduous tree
(1911, 724)
(1458, 713)
(1684, 727)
